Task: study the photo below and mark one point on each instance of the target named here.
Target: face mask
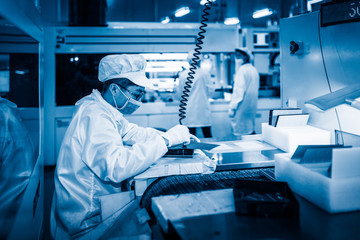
(129, 106)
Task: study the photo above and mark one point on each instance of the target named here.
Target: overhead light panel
(182, 11)
(164, 69)
(165, 20)
(165, 56)
(167, 64)
(262, 13)
(202, 2)
(231, 21)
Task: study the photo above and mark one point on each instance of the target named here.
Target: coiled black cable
(194, 62)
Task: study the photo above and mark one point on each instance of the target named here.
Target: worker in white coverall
(198, 112)
(101, 149)
(17, 160)
(243, 104)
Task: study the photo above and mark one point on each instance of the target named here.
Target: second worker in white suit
(198, 112)
(243, 105)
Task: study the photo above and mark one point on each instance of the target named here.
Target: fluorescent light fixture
(163, 69)
(262, 13)
(165, 56)
(202, 2)
(20, 72)
(231, 21)
(170, 66)
(182, 11)
(163, 64)
(165, 20)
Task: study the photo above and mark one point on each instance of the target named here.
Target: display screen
(340, 12)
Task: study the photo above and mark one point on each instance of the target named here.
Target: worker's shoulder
(89, 107)
(247, 66)
(8, 111)
(6, 105)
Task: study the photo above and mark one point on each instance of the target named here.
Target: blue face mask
(130, 106)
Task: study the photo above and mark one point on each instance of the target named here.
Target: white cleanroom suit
(100, 150)
(244, 99)
(198, 113)
(17, 160)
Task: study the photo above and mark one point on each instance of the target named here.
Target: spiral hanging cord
(194, 62)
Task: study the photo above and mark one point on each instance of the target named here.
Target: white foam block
(332, 195)
(289, 138)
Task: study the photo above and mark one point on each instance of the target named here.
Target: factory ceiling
(57, 12)
(156, 10)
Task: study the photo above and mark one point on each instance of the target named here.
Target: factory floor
(48, 190)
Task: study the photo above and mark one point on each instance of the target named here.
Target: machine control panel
(340, 12)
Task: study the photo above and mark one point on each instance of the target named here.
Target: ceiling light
(262, 13)
(165, 56)
(165, 20)
(202, 2)
(159, 64)
(182, 11)
(20, 72)
(231, 21)
(165, 69)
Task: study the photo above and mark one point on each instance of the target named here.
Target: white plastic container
(340, 193)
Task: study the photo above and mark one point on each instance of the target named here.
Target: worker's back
(198, 112)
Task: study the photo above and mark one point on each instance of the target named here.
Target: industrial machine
(319, 55)
(320, 70)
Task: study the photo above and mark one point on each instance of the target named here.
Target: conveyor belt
(201, 182)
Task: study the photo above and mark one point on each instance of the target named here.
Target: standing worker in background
(243, 105)
(198, 112)
(101, 149)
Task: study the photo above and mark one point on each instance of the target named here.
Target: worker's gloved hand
(231, 112)
(177, 135)
(194, 138)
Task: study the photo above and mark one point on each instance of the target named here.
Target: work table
(201, 206)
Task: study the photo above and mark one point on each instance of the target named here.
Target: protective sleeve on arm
(106, 155)
(238, 90)
(135, 134)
